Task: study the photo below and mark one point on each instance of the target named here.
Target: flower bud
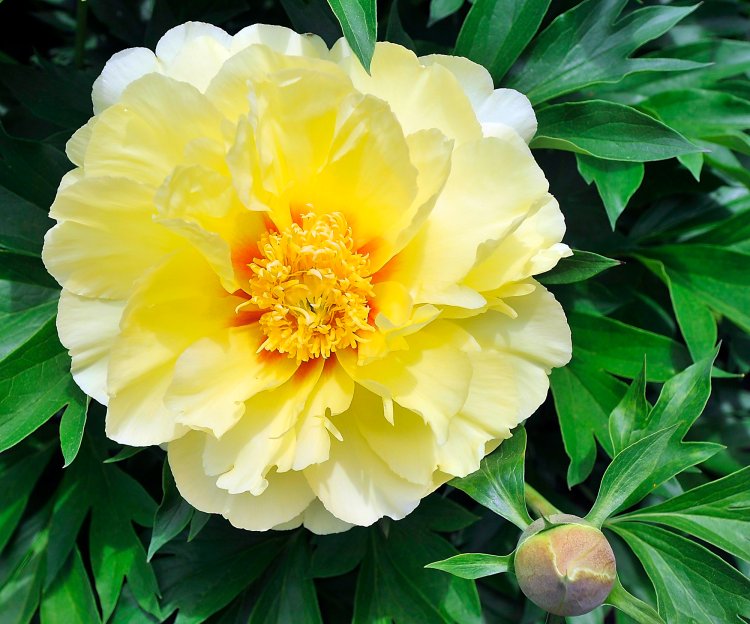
(567, 569)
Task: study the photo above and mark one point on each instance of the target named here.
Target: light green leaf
(359, 21)
(716, 512)
(589, 44)
(584, 396)
(628, 470)
(694, 317)
(582, 265)
(619, 348)
(39, 375)
(616, 182)
(70, 597)
(72, 425)
(608, 131)
(495, 32)
(622, 599)
(692, 584)
(499, 482)
(172, 516)
(473, 565)
(719, 277)
(630, 414)
(19, 325)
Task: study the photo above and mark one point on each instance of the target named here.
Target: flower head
(314, 284)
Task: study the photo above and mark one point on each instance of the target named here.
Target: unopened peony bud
(567, 569)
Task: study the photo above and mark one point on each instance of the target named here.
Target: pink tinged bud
(567, 569)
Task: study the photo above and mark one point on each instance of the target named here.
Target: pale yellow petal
(120, 70)
(105, 239)
(178, 303)
(492, 186)
(422, 97)
(280, 39)
(355, 485)
(431, 377)
(88, 328)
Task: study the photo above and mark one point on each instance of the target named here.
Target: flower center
(313, 287)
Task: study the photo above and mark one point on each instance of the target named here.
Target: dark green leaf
(442, 514)
(314, 16)
(289, 594)
(616, 182)
(584, 396)
(619, 348)
(22, 224)
(692, 584)
(440, 9)
(394, 585)
(358, 19)
(608, 131)
(172, 516)
(499, 482)
(338, 553)
(581, 266)
(628, 470)
(716, 512)
(202, 576)
(395, 29)
(473, 565)
(495, 32)
(20, 469)
(589, 45)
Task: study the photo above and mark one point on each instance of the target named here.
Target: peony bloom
(314, 284)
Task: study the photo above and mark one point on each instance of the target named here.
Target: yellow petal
(178, 303)
(88, 328)
(287, 496)
(216, 375)
(421, 97)
(105, 239)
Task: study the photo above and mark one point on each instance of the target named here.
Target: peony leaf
(72, 424)
(589, 44)
(440, 9)
(289, 594)
(499, 482)
(608, 131)
(39, 374)
(338, 553)
(393, 583)
(582, 265)
(616, 182)
(628, 470)
(692, 584)
(22, 224)
(584, 396)
(716, 512)
(631, 413)
(618, 348)
(70, 596)
(473, 565)
(495, 32)
(172, 515)
(638, 610)
(358, 19)
(694, 317)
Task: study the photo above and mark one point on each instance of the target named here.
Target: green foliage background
(643, 110)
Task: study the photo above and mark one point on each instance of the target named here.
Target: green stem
(538, 504)
(81, 15)
(622, 599)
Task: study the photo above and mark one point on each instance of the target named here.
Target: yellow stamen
(313, 287)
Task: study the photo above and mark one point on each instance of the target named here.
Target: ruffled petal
(88, 328)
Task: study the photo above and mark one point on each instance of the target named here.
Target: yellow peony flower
(314, 284)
